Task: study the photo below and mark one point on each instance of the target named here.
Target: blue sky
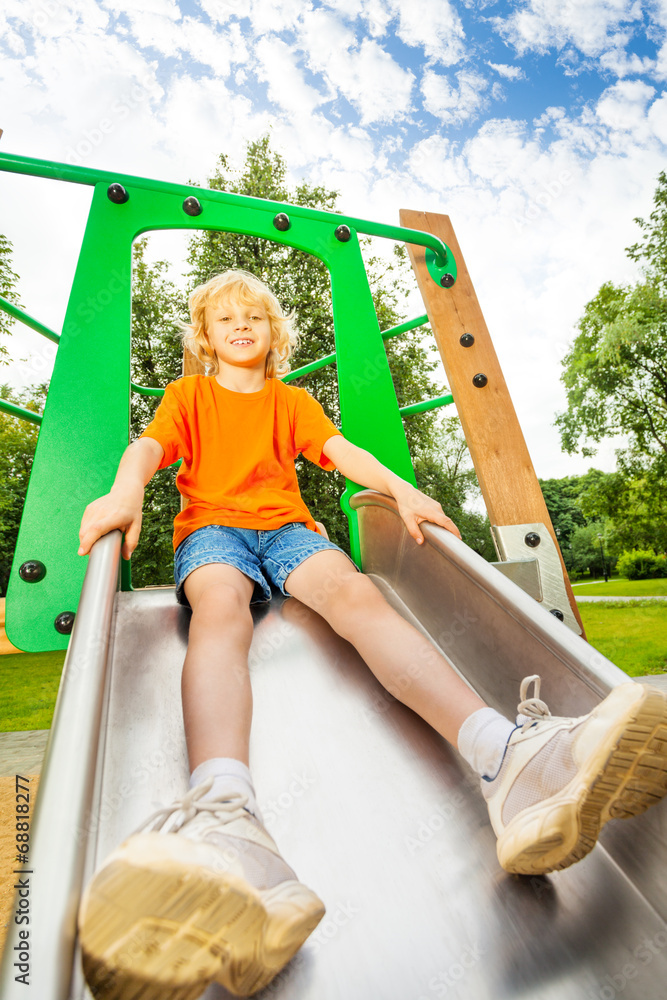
(539, 126)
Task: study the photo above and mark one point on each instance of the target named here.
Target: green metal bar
(312, 367)
(393, 331)
(82, 175)
(146, 390)
(20, 411)
(410, 324)
(428, 404)
(19, 314)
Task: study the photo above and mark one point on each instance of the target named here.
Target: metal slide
(366, 801)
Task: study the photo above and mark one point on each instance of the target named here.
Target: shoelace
(534, 708)
(170, 819)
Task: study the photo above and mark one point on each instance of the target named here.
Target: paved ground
(22, 753)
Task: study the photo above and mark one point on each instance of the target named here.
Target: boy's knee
(222, 602)
(354, 596)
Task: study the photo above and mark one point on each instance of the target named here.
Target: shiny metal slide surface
(375, 811)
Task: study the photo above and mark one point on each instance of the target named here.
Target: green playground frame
(84, 428)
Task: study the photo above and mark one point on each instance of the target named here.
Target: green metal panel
(85, 426)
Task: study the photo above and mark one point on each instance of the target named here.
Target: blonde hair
(245, 289)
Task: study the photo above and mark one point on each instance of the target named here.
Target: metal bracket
(525, 573)
(530, 543)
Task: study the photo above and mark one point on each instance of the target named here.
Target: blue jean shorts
(267, 557)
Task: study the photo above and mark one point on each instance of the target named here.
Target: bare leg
(215, 684)
(402, 659)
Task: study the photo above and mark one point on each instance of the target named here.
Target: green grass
(619, 587)
(28, 689)
(632, 634)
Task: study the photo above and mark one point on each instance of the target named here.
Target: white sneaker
(562, 779)
(199, 892)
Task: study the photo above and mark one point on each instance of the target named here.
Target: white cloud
(454, 103)
(362, 72)
(435, 163)
(622, 107)
(286, 85)
(622, 63)
(592, 26)
(162, 8)
(434, 27)
(508, 72)
(657, 118)
(271, 15)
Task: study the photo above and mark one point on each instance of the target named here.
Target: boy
(200, 891)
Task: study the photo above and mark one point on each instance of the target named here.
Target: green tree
(157, 305)
(561, 497)
(590, 552)
(616, 371)
(18, 440)
(8, 282)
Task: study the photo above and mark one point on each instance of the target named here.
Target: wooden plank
(497, 446)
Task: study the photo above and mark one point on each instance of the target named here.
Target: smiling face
(239, 334)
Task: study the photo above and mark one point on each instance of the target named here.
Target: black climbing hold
(65, 622)
(117, 194)
(532, 539)
(447, 280)
(281, 222)
(343, 233)
(466, 340)
(192, 206)
(558, 614)
(32, 571)
(479, 380)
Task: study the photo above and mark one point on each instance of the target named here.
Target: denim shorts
(265, 556)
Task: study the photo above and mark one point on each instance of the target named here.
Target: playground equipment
(420, 908)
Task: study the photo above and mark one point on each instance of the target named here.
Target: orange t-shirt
(238, 451)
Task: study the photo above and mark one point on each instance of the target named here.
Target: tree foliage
(18, 440)
(616, 371)
(8, 282)
(156, 359)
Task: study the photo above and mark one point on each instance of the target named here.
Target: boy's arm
(363, 468)
(121, 506)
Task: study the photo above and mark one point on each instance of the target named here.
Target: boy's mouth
(241, 342)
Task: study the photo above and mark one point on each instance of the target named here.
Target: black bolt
(532, 539)
(117, 194)
(558, 614)
(447, 280)
(479, 380)
(281, 222)
(65, 622)
(192, 206)
(343, 233)
(32, 571)
(466, 340)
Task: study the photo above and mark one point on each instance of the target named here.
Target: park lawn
(633, 635)
(28, 689)
(620, 587)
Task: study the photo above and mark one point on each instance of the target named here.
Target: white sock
(482, 740)
(229, 775)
